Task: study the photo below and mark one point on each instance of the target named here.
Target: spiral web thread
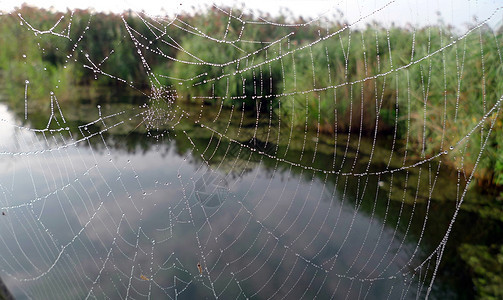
(84, 222)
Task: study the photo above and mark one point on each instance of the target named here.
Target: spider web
(219, 206)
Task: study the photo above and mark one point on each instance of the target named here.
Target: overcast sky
(417, 12)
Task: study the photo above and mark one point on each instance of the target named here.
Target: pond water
(125, 200)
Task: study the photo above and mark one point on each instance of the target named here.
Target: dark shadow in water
(249, 210)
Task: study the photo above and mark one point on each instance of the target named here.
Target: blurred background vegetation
(424, 88)
(426, 82)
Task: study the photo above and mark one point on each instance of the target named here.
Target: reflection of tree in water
(234, 155)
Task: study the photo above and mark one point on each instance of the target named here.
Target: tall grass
(428, 87)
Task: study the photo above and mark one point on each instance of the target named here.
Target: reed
(427, 87)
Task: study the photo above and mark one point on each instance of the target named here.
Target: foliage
(427, 83)
(486, 264)
(26, 57)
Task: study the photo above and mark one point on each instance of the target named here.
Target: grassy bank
(428, 87)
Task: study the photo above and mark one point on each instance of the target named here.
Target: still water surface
(104, 208)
